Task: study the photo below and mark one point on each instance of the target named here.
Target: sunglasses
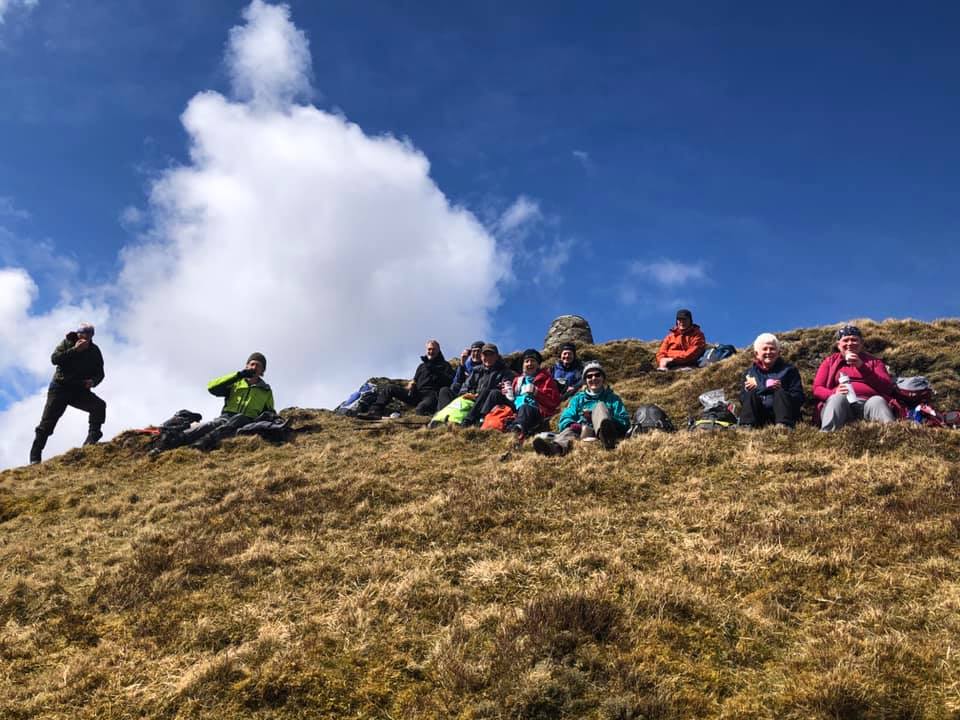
(591, 376)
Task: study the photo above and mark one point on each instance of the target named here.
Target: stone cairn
(567, 328)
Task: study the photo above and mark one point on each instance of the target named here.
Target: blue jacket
(573, 413)
(786, 373)
(463, 370)
(569, 380)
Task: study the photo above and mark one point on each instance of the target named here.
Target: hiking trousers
(60, 396)
(425, 401)
(838, 411)
(598, 414)
(784, 411)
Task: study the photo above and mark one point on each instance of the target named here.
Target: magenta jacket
(868, 380)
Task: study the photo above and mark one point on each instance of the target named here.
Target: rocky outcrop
(568, 328)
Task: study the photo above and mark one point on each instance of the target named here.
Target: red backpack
(498, 418)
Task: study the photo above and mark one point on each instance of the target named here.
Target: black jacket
(432, 375)
(75, 367)
(481, 378)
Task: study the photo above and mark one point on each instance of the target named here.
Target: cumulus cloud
(291, 232)
(268, 57)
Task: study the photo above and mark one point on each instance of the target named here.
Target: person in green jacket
(247, 396)
(594, 413)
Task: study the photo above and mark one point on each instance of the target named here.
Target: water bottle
(844, 379)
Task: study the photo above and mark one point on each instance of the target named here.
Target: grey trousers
(837, 412)
(599, 413)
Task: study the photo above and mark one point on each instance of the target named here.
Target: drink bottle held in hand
(844, 379)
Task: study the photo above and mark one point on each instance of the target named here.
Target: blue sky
(769, 167)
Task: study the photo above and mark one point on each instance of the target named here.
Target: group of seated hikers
(850, 385)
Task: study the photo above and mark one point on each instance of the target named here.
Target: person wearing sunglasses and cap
(594, 413)
(79, 368)
(852, 385)
(683, 345)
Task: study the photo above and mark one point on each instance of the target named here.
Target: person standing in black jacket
(79, 368)
(432, 375)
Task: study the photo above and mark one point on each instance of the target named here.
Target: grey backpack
(649, 417)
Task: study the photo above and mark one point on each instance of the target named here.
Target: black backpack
(649, 417)
(715, 417)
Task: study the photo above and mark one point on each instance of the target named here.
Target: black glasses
(591, 376)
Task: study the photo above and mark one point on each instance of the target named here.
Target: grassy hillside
(388, 571)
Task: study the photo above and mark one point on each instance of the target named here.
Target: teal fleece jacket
(573, 413)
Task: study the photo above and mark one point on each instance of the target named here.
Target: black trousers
(60, 396)
(425, 401)
(785, 410)
(529, 419)
(445, 397)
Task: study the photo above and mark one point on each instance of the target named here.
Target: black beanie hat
(569, 346)
(530, 352)
(259, 358)
(477, 345)
(686, 314)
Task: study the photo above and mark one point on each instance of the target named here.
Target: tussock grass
(394, 572)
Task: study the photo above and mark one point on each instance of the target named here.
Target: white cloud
(583, 157)
(524, 212)
(525, 237)
(7, 5)
(9, 209)
(291, 232)
(131, 217)
(670, 273)
(268, 57)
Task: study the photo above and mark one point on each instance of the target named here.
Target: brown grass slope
(384, 571)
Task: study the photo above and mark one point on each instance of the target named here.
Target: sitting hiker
(469, 359)
(79, 368)
(683, 345)
(485, 383)
(596, 412)
(772, 389)
(852, 385)
(431, 376)
(536, 395)
(568, 371)
(247, 396)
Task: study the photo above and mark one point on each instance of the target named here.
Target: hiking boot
(607, 434)
(93, 437)
(39, 441)
(546, 446)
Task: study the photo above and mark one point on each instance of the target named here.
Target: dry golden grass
(386, 571)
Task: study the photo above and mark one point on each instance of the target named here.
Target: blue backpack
(359, 400)
(715, 354)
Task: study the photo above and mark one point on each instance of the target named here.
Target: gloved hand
(245, 373)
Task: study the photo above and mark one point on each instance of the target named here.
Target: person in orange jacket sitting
(683, 345)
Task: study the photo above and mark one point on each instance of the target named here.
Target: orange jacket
(684, 347)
